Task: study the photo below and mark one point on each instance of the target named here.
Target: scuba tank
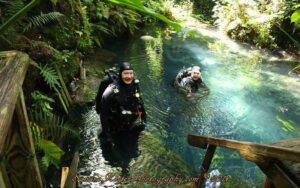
(110, 76)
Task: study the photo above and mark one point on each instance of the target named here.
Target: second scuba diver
(192, 82)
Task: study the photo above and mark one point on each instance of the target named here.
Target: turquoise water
(250, 99)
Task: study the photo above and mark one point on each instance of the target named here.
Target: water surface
(250, 99)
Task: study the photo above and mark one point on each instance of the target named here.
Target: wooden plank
(268, 184)
(2, 185)
(290, 166)
(20, 162)
(64, 175)
(71, 179)
(26, 134)
(277, 175)
(12, 75)
(206, 164)
(247, 148)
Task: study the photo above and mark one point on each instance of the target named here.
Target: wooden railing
(269, 158)
(18, 163)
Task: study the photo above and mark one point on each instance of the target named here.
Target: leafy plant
(50, 126)
(295, 18)
(47, 130)
(12, 7)
(52, 79)
(50, 76)
(138, 6)
(52, 154)
(84, 41)
(41, 102)
(249, 21)
(42, 19)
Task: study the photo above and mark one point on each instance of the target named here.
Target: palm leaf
(138, 6)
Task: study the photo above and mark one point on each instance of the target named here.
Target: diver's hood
(124, 66)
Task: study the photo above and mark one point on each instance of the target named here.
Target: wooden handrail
(18, 163)
(267, 157)
(12, 75)
(247, 149)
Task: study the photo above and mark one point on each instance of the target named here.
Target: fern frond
(103, 27)
(50, 76)
(45, 162)
(44, 126)
(13, 7)
(62, 131)
(42, 19)
(36, 134)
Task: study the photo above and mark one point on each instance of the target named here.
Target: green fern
(42, 19)
(13, 7)
(52, 152)
(52, 155)
(52, 79)
(44, 126)
(50, 76)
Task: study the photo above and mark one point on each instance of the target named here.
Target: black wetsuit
(121, 105)
(191, 85)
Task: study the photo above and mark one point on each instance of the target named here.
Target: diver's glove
(143, 123)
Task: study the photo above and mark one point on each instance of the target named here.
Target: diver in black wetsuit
(121, 104)
(192, 83)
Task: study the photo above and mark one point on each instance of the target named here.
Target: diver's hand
(190, 94)
(143, 123)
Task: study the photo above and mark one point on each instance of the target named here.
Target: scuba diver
(119, 103)
(189, 81)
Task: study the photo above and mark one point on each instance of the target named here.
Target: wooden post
(71, 179)
(269, 184)
(82, 71)
(64, 175)
(277, 175)
(206, 164)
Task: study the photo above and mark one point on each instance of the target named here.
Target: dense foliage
(58, 35)
(270, 24)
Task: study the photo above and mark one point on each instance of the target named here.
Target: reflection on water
(249, 100)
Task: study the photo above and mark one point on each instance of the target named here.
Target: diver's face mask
(127, 76)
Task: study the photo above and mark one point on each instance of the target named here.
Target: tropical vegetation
(59, 34)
